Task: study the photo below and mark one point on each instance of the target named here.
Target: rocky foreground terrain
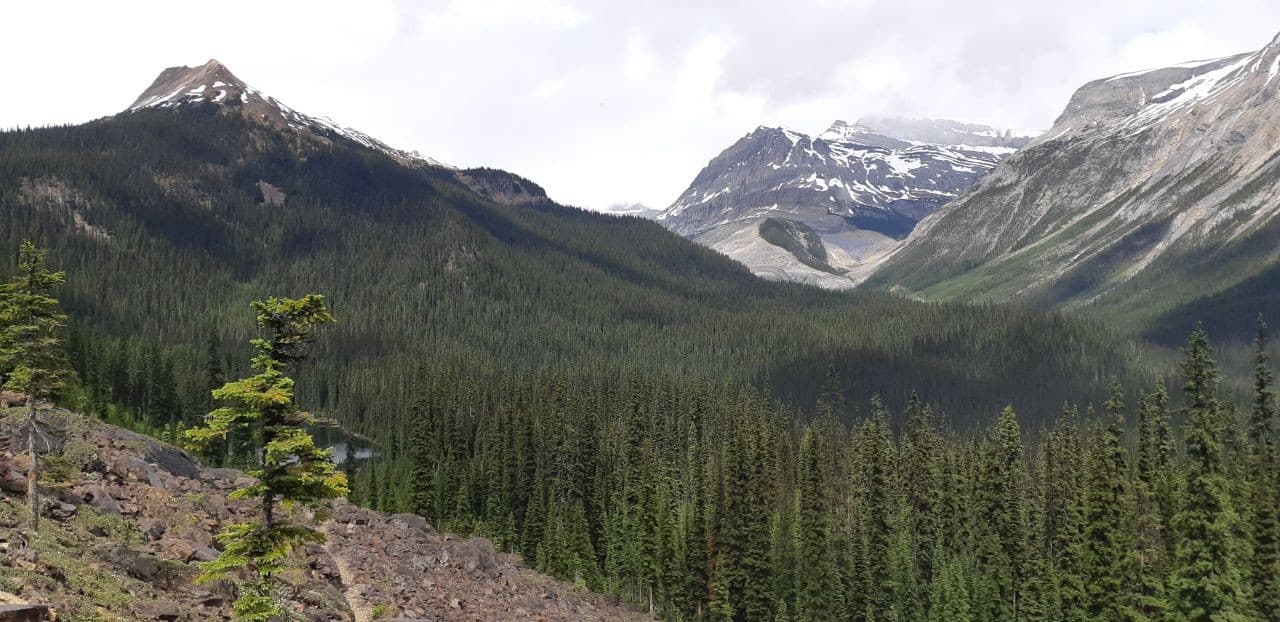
(127, 518)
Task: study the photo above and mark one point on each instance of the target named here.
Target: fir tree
(1003, 545)
(1264, 475)
(819, 581)
(949, 599)
(1064, 517)
(1209, 582)
(292, 473)
(32, 355)
(1107, 534)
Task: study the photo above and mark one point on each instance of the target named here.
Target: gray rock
(1157, 185)
(856, 191)
(25, 613)
(99, 498)
(411, 521)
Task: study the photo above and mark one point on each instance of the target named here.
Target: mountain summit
(1151, 187)
(825, 209)
(210, 82)
(213, 84)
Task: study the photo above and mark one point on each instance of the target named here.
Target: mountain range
(823, 210)
(206, 193)
(1152, 200)
(570, 383)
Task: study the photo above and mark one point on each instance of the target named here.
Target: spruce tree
(949, 598)
(1064, 517)
(292, 472)
(32, 354)
(1264, 476)
(1107, 532)
(819, 581)
(1003, 545)
(1209, 581)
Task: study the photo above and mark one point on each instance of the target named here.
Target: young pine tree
(31, 350)
(292, 472)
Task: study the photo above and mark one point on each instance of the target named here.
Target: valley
(902, 369)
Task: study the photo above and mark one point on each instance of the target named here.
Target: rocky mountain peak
(845, 132)
(213, 84)
(822, 210)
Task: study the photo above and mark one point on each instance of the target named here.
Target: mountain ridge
(1143, 175)
(854, 188)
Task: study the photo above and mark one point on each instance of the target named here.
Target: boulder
(411, 521)
(25, 613)
(58, 510)
(471, 555)
(13, 478)
(9, 399)
(159, 610)
(99, 498)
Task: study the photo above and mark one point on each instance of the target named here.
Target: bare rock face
(1154, 183)
(854, 189)
(502, 187)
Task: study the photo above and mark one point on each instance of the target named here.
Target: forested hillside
(1156, 504)
(170, 221)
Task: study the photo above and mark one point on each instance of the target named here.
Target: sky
(605, 102)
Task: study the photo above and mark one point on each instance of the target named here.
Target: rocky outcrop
(129, 519)
(502, 187)
(212, 84)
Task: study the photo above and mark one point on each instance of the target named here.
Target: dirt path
(362, 611)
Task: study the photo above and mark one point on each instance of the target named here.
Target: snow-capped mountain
(213, 83)
(1152, 188)
(824, 210)
(633, 209)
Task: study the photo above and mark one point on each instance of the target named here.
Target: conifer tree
(422, 456)
(1064, 517)
(1154, 498)
(1264, 476)
(1003, 548)
(292, 472)
(32, 355)
(819, 583)
(1209, 582)
(949, 599)
(1107, 534)
(744, 543)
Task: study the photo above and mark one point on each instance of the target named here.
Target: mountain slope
(1152, 189)
(169, 221)
(854, 188)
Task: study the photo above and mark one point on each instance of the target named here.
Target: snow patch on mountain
(213, 83)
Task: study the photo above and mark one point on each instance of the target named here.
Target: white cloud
(610, 100)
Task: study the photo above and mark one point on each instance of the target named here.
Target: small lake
(333, 436)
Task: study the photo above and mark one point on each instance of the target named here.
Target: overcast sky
(607, 101)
